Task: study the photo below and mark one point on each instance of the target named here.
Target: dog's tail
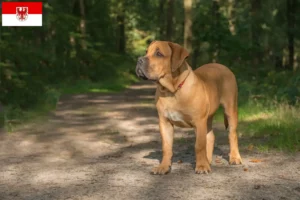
(225, 121)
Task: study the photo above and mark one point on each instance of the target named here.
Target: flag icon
(22, 14)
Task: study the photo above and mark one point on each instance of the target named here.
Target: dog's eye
(146, 51)
(159, 54)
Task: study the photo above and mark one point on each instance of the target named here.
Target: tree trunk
(2, 118)
(231, 17)
(255, 31)
(216, 17)
(170, 10)
(161, 19)
(121, 44)
(188, 34)
(279, 61)
(291, 12)
(82, 24)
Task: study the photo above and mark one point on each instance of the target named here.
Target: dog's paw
(161, 169)
(202, 169)
(235, 160)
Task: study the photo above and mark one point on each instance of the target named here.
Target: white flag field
(22, 14)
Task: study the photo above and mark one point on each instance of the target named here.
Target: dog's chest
(178, 119)
(174, 116)
(171, 110)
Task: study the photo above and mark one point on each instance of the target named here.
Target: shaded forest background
(92, 45)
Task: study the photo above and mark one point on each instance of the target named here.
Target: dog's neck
(181, 74)
(173, 82)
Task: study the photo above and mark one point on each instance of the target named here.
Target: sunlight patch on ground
(80, 96)
(98, 101)
(258, 116)
(141, 87)
(129, 177)
(11, 173)
(147, 104)
(59, 177)
(98, 90)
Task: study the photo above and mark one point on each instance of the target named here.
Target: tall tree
(161, 19)
(231, 16)
(216, 25)
(291, 22)
(121, 35)
(255, 30)
(170, 13)
(82, 23)
(188, 35)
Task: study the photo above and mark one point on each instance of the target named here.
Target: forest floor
(103, 146)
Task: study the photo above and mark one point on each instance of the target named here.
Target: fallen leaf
(256, 160)
(179, 161)
(250, 147)
(245, 169)
(257, 187)
(297, 189)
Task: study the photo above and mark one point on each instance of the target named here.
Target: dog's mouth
(144, 77)
(141, 74)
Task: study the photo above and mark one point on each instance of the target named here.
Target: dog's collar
(181, 84)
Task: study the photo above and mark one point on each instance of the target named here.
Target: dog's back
(220, 83)
(215, 72)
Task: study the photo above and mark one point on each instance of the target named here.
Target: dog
(189, 98)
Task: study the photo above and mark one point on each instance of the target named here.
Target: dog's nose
(140, 60)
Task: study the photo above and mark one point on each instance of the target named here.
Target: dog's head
(162, 58)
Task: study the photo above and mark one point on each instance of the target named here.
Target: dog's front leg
(202, 164)
(166, 131)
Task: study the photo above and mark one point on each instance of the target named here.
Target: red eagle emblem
(22, 13)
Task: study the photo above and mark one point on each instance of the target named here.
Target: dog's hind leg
(210, 139)
(231, 114)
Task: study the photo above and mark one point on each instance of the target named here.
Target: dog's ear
(179, 54)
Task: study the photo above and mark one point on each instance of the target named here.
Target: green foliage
(38, 64)
(282, 86)
(34, 59)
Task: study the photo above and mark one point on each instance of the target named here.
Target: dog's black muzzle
(141, 66)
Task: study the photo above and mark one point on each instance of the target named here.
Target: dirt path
(103, 146)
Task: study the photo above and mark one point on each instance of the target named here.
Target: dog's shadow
(187, 155)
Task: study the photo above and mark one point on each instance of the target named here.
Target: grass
(107, 86)
(275, 125)
(14, 117)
